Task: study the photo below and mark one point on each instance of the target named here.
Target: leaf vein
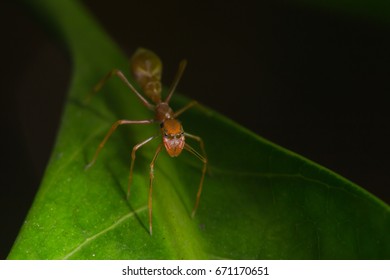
(97, 235)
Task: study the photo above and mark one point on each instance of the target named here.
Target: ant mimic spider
(146, 67)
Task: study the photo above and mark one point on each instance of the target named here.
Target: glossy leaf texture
(260, 201)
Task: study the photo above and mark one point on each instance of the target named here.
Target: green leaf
(260, 201)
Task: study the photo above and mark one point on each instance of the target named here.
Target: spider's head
(173, 136)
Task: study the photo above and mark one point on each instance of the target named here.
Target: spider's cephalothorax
(173, 136)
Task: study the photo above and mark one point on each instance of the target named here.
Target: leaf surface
(260, 201)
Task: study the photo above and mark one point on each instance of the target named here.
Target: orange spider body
(147, 68)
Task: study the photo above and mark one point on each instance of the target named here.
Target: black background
(312, 80)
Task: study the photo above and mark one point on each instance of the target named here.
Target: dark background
(312, 80)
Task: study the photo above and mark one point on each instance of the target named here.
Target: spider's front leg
(111, 131)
